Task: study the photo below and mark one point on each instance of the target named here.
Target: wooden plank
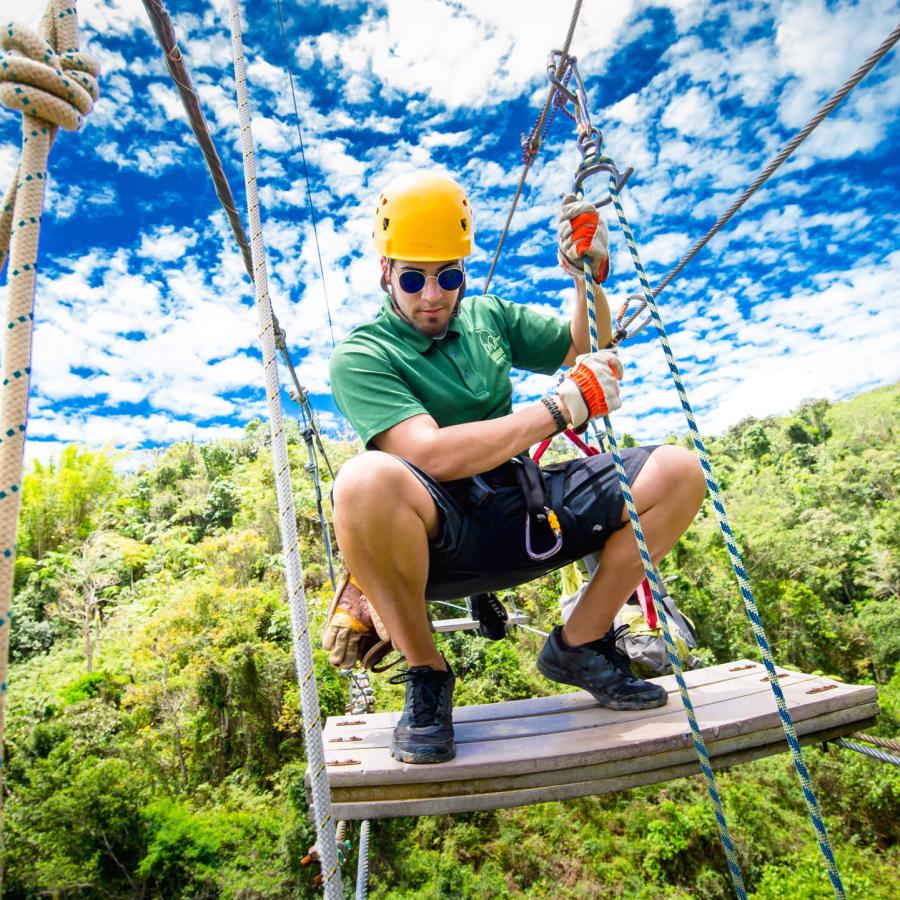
(336, 725)
(722, 712)
(847, 719)
(551, 723)
(524, 797)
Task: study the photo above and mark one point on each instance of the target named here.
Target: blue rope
(737, 563)
(734, 868)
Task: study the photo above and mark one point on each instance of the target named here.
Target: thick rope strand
(303, 654)
(737, 562)
(54, 86)
(712, 788)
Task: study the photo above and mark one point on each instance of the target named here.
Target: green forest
(154, 740)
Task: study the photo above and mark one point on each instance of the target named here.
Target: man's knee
(682, 471)
(374, 483)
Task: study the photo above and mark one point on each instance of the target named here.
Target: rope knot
(59, 88)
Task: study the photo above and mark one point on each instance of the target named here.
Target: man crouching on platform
(442, 503)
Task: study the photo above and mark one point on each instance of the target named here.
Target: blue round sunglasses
(448, 280)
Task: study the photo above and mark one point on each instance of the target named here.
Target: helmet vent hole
(465, 224)
(385, 223)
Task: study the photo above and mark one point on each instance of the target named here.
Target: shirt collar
(410, 335)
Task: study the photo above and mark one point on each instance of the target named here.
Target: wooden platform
(564, 746)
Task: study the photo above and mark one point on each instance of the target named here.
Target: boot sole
(560, 676)
(423, 755)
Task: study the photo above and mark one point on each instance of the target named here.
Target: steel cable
(309, 200)
(534, 147)
(795, 142)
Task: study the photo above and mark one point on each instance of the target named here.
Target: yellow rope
(53, 85)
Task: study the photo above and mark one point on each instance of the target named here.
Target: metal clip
(590, 139)
(624, 322)
(595, 165)
(552, 521)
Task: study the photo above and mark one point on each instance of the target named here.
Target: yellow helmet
(424, 216)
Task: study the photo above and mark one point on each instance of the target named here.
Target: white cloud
(151, 161)
(693, 113)
(166, 243)
(493, 50)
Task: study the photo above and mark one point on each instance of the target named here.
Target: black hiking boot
(424, 733)
(601, 669)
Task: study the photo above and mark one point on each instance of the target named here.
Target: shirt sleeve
(537, 343)
(369, 391)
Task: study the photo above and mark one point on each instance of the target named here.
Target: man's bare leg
(668, 493)
(383, 518)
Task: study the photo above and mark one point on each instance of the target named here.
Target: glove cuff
(599, 268)
(593, 393)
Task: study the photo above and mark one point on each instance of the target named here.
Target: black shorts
(480, 545)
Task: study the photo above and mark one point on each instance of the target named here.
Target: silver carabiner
(595, 165)
(552, 521)
(624, 320)
(590, 139)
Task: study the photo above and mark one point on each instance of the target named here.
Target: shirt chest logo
(491, 344)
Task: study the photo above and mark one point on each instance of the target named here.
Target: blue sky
(145, 330)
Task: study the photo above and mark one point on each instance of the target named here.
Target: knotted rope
(54, 86)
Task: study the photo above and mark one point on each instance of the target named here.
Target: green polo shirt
(385, 371)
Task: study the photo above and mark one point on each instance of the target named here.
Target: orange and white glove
(582, 232)
(591, 387)
(353, 631)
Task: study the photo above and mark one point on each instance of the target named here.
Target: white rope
(312, 723)
(54, 86)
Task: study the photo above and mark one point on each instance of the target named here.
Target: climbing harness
(54, 85)
(312, 722)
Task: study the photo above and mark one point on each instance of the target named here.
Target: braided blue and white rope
(734, 868)
(737, 562)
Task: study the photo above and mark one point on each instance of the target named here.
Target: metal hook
(623, 323)
(550, 517)
(595, 166)
(561, 68)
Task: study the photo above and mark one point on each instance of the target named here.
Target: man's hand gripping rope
(582, 232)
(591, 387)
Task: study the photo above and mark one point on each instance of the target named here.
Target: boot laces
(424, 693)
(608, 647)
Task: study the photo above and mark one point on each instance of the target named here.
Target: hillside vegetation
(154, 738)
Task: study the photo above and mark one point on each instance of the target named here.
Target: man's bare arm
(581, 340)
(459, 451)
